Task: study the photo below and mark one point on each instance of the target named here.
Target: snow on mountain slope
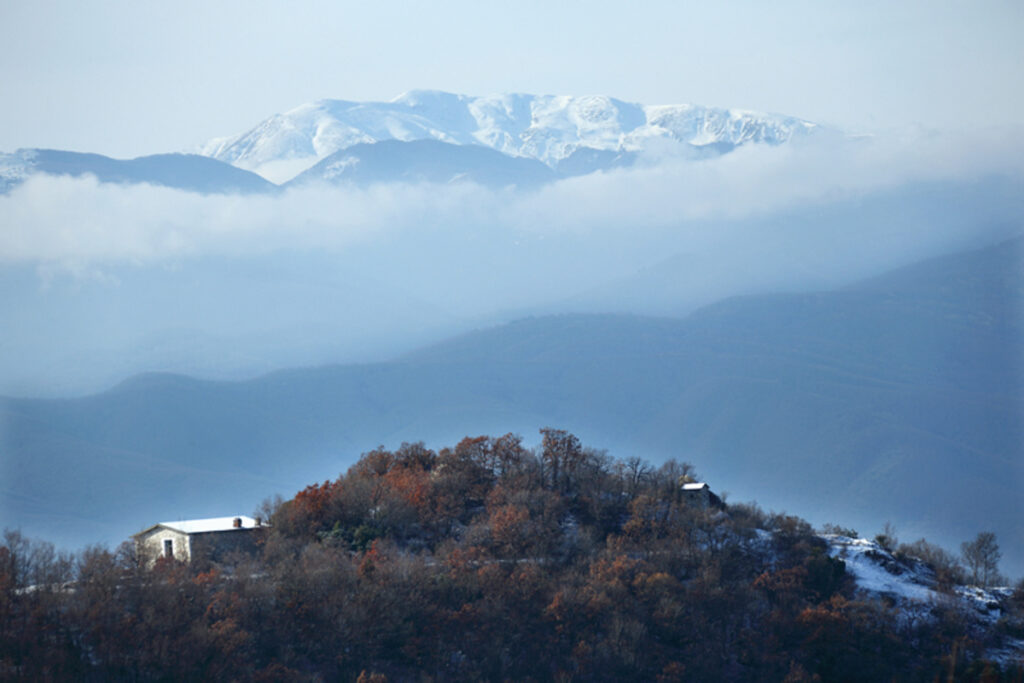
(15, 168)
(909, 583)
(544, 127)
(910, 587)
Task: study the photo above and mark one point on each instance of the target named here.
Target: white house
(190, 539)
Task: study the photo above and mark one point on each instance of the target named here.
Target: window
(168, 548)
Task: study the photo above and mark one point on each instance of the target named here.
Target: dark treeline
(483, 561)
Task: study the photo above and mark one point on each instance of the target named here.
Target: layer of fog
(100, 281)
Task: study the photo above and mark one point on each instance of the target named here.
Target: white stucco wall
(152, 544)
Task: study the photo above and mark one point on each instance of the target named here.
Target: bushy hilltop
(492, 561)
(548, 128)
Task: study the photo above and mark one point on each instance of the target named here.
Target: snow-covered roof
(202, 526)
(695, 486)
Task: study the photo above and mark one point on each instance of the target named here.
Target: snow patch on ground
(877, 571)
(910, 587)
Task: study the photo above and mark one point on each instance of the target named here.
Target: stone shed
(699, 494)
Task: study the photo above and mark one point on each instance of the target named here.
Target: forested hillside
(491, 561)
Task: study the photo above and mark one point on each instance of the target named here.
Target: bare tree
(562, 455)
(635, 471)
(888, 539)
(982, 557)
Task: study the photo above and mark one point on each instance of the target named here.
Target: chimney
(259, 521)
(238, 523)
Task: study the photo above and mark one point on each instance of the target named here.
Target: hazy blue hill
(557, 339)
(181, 171)
(897, 399)
(838, 244)
(219, 318)
(990, 275)
(426, 161)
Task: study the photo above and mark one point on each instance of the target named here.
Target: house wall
(217, 545)
(151, 546)
(213, 545)
(703, 498)
(700, 498)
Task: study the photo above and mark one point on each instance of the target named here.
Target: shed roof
(695, 486)
(199, 526)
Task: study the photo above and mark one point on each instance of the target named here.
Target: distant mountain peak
(547, 128)
(417, 97)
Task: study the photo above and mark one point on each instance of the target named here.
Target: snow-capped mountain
(547, 128)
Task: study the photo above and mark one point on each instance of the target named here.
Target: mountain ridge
(548, 128)
(190, 172)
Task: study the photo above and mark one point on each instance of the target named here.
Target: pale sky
(126, 78)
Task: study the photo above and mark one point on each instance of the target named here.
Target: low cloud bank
(101, 281)
(79, 222)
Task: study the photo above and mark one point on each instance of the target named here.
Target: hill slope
(190, 172)
(426, 161)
